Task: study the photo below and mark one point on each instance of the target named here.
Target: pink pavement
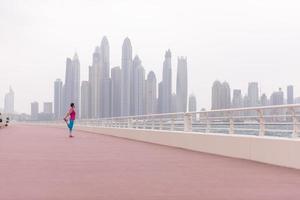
(41, 163)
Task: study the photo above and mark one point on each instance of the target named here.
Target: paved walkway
(38, 163)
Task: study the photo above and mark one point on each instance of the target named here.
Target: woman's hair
(72, 105)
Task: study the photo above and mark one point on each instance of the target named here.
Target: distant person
(71, 116)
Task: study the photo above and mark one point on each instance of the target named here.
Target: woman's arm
(68, 114)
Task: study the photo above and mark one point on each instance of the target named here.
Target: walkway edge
(276, 151)
(270, 150)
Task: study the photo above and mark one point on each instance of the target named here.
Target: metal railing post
(136, 123)
(152, 124)
(231, 124)
(295, 121)
(144, 123)
(129, 123)
(207, 124)
(160, 124)
(172, 123)
(187, 122)
(261, 123)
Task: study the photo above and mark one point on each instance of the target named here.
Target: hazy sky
(234, 40)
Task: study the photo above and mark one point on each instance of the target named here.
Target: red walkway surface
(38, 163)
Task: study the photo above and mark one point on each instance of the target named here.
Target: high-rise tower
(290, 94)
(126, 77)
(253, 94)
(141, 90)
(134, 86)
(104, 80)
(181, 85)
(84, 100)
(58, 110)
(216, 95)
(221, 98)
(151, 93)
(94, 84)
(192, 103)
(72, 83)
(226, 96)
(167, 83)
(9, 101)
(116, 91)
(237, 99)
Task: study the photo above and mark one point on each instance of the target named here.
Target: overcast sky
(234, 40)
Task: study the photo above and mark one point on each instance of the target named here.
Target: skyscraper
(253, 94)
(94, 84)
(160, 96)
(246, 101)
(181, 85)
(173, 103)
(9, 101)
(126, 77)
(221, 98)
(116, 75)
(141, 90)
(106, 98)
(105, 59)
(58, 99)
(84, 100)
(192, 103)
(277, 98)
(237, 99)
(216, 96)
(151, 93)
(264, 100)
(34, 110)
(104, 79)
(134, 85)
(290, 94)
(166, 99)
(76, 95)
(225, 97)
(72, 83)
(48, 108)
(91, 95)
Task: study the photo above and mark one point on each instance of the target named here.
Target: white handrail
(279, 120)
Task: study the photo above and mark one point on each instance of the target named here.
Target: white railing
(282, 121)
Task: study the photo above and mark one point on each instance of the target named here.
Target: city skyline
(235, 41)
(253, 97)
(125, 91)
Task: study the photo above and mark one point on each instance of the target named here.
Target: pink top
(72, 113)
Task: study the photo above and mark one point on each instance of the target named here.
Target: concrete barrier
(272, 150)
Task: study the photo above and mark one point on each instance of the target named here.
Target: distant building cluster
(45, 114)
(221, 97)
(119, 91)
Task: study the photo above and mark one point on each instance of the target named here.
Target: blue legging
(71, 124)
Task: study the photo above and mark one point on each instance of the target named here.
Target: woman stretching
(71, 114)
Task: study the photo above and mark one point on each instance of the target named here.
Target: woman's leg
(70, 125)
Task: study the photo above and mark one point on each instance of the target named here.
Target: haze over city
(236, 41)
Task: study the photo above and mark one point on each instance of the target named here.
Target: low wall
(272, 150)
